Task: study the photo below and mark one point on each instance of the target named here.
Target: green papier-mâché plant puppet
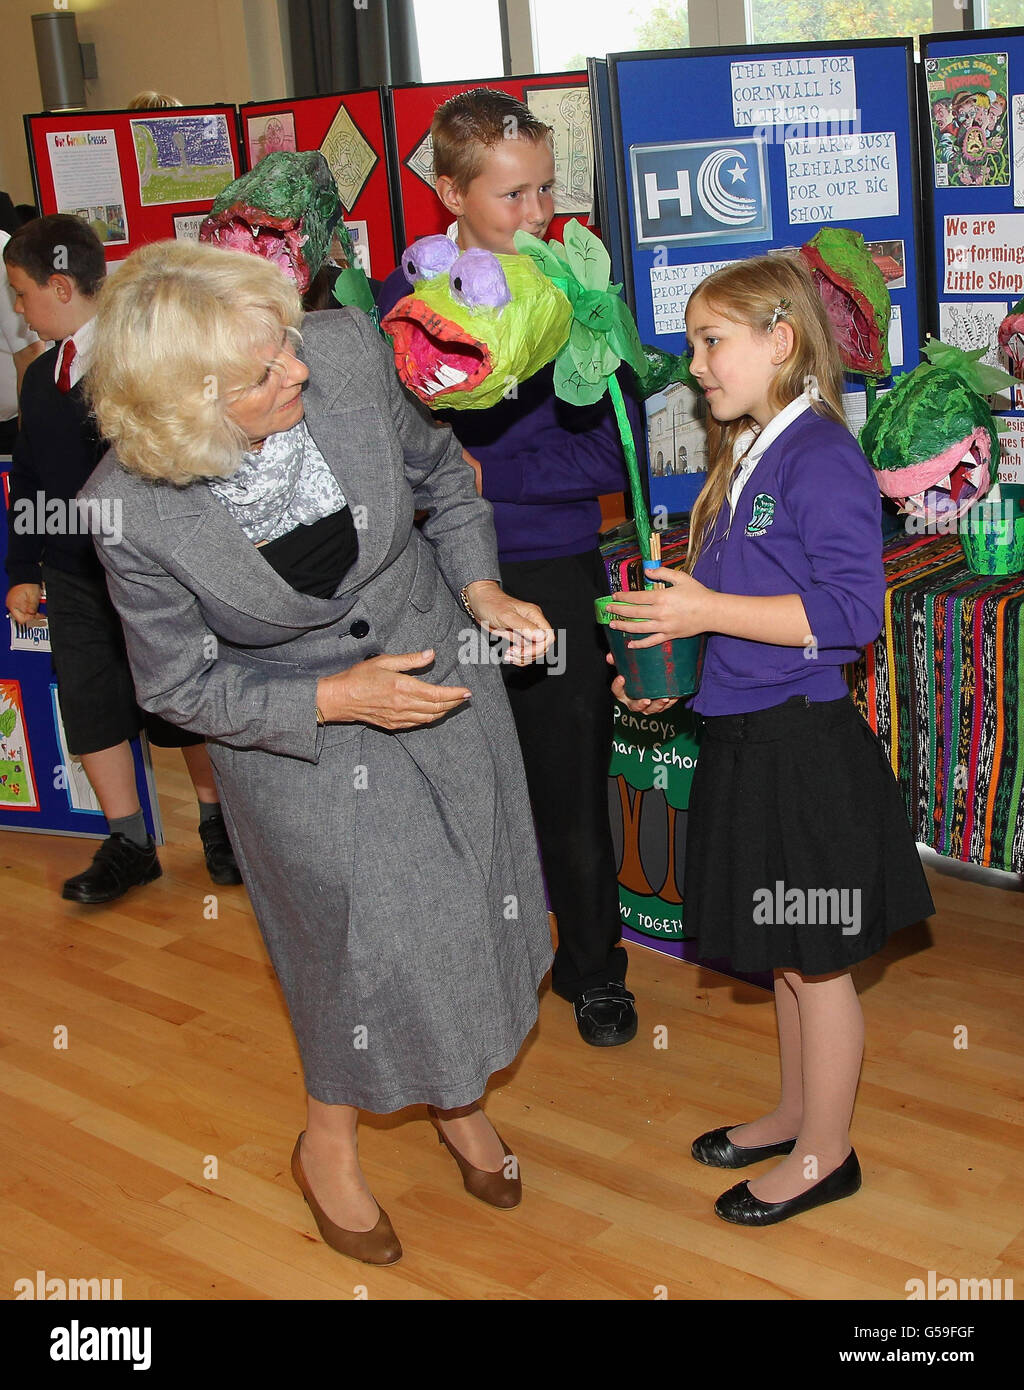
(477, 322)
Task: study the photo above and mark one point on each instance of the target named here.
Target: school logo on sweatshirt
(762, 515)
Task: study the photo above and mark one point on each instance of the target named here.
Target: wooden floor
(180, 1061)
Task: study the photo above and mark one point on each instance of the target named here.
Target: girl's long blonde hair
(750, 292)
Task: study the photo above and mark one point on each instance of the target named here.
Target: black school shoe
(118, 864)
(220, 857)
(605, 1015)
(717, 1150)
(742, 1208)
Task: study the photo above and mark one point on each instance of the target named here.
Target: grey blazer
(394, 876)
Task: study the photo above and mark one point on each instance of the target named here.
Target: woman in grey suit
(277, 598)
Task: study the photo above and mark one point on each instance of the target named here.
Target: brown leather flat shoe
(379, 1246)
(496, 1189)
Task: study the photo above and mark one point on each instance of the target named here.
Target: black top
(314, 559)
(57, 448)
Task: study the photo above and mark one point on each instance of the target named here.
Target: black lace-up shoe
(220, 857)
(605, 1015)
(118, 864)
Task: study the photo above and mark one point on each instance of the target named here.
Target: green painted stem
(642, 520)
(870, 389)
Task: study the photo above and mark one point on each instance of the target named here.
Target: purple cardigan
(807, 522)
(544, 463)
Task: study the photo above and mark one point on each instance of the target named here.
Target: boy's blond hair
(472, 122)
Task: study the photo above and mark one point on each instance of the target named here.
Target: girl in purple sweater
(800, 858)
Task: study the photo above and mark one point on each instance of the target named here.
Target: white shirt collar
(752, 444)
(83, 341)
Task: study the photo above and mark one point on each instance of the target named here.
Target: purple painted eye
(478, 281)
(427, 258)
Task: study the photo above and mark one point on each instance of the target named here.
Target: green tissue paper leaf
(572, 386)
(588, 258)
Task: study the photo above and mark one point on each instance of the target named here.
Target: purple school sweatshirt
(807, 522)
(544, 463)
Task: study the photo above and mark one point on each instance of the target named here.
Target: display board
(349, 129)
(134, 176)
(560, 99)
(607, 213)
(972, 159)
(42, 788)
(724, 153)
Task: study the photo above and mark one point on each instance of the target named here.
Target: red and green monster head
(855, 296)
(932, 439)
(285, 210)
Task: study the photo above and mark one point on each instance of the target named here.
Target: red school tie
(64, 379)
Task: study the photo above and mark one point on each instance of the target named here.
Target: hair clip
(781, 311)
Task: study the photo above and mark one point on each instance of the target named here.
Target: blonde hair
(152, 101)
(760, 292)
(179, 324)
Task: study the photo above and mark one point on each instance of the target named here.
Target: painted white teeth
(451, 376)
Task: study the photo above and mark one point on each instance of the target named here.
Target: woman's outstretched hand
(378, 692)
(681, 610)
(522, 625)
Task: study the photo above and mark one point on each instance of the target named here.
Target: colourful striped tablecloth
(943, 687)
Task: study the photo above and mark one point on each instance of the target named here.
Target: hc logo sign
(702, 190)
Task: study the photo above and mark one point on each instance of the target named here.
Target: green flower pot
(992, 537)
(651, 673)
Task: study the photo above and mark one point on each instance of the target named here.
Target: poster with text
(967, 108)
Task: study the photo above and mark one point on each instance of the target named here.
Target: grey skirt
(397, 887)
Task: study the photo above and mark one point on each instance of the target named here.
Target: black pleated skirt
(799, 852)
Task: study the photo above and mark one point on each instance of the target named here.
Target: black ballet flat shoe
(742, 1208)
(718, 1151)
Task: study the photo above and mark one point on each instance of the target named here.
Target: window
(785, 21)
(998, 14)
(458, 42)
(567, 32)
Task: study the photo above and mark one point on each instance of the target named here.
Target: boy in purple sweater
(542, 464)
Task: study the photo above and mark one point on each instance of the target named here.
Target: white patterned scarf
(287, 484)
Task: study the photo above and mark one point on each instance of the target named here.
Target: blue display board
(972, 161)
(723, 154)
(42, 788)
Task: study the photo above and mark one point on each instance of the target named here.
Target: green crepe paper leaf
(625, 339)
(590, 354)
(662, 369)
(352, 287)
(975, 374)
(544, 256)
(7, 722)
(588, 258)
(571, 386)
(593, 309)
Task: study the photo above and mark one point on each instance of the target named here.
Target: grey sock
(207, 811)
(132, 828)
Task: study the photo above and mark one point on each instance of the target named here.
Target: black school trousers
(564, 721)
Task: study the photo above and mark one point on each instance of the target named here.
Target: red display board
(135, 176)
(419, 211)
(349, 127)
